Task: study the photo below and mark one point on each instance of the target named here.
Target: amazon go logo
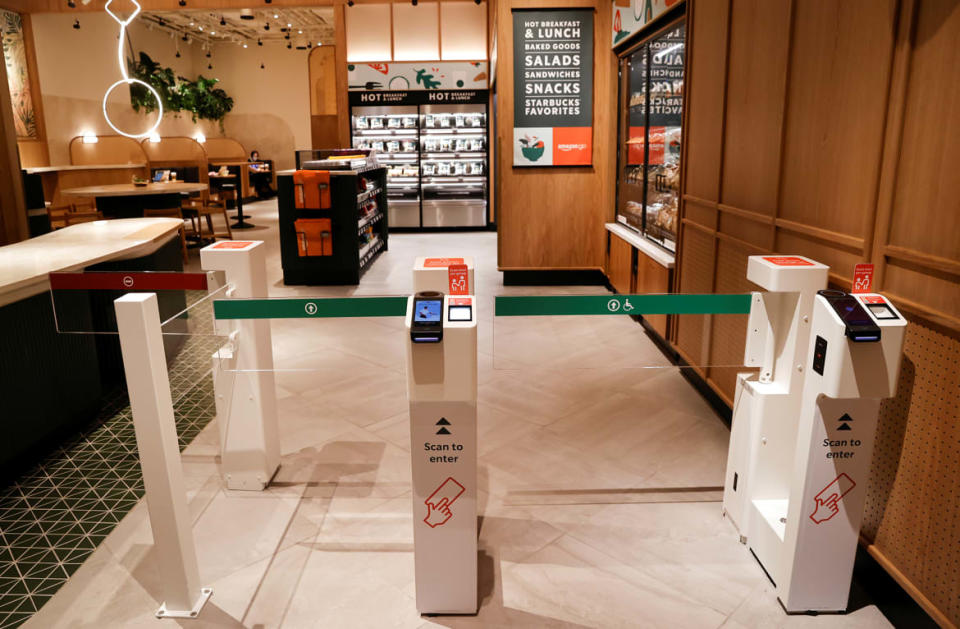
(563, 148)
(572, 146)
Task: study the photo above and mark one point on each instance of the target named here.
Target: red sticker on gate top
(862, 278)
(233, 244)
(113, 280)
(787, 261)
(873, 299)
(435, 263)
(457, 279)
(460, 301)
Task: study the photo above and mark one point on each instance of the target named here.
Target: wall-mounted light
(89, 137)
(223, 21)
(199, 137)
(76, 24)
(154, 137)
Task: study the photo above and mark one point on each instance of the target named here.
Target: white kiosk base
(442, 386)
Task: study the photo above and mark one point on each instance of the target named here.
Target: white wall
(271, 106)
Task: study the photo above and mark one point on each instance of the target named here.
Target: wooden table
(125, 200)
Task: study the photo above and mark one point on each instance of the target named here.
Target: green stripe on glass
(310, 308)
(621, 304)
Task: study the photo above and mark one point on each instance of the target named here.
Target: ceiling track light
(223, 21)
(71, 4)
(208, 54)
(259, 43)
(76, 24)
(413, 2)
(209, 66)
(183, 3)
(350, 3)
(266, 26)
(261, 65)
(178, 54)
(289, 45)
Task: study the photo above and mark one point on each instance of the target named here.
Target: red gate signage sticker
(457, 279)
(233, 244)
(874, 299)
(460, 301)
(787, 261)
(106, 280)
(435, 263)
(862, 278)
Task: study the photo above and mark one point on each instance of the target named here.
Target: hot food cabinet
(434, 145)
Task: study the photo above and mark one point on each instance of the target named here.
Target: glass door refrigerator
(651, 112)
(453, 160)
(393, 132)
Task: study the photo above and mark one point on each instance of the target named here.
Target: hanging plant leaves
(200, 98)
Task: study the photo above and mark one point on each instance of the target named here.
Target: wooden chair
(202, 209)
(70, 214)
(174, 212)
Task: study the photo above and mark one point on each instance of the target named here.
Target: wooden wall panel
(926, 208)
(704, 85)
(836, 111)
(862, 168)
(552, 218)
(759, 34)
(620, 265)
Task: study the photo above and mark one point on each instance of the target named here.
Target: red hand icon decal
(827, 501)
(437, 514)
(825, 510)
(439, 502)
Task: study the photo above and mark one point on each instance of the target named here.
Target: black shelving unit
(350, 255)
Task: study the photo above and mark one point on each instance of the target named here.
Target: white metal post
(243, 373)
(144, 362)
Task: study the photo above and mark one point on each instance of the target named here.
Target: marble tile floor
(598, 491)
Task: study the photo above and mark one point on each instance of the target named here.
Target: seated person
(260, 176)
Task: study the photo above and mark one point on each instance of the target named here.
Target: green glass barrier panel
(310, 308)
(551, 305)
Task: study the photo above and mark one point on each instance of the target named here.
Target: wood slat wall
(832, 130)
(552, 218)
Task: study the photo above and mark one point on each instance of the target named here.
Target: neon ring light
(126, 80)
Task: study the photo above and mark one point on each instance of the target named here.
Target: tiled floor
(54, 517)
(598, 487)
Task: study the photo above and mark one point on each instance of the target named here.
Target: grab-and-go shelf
(334, 242)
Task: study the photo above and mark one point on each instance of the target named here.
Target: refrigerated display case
(453, 155)
(651, 112)
(434, 145)
(393, 132)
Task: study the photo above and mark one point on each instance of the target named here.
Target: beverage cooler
(434, 145)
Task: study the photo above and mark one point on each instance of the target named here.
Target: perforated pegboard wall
(913, 497)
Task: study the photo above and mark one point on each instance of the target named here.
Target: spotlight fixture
(349, 3)
(209, 66)
(413, 2)
(223, 22)
(178, 54)
(208, 54)
(477, 1)
(276, 16)
(244, 45)
(161, 22)
(289, 45)
(267, 1)
(300, 32)
(185, 38)
(266, 26)
(261, 66)
(183, 3)
(287, 36)
(71, 4)
(309, 45)
(213, 32)
(319, 43)
(259, 43)
(76, 24)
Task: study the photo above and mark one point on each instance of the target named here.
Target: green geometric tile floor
(56, 514)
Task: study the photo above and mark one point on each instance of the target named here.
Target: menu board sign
(553, 87)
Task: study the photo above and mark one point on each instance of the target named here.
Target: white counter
(57, 169)
(24, 266)
(660, 256)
